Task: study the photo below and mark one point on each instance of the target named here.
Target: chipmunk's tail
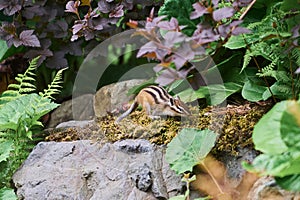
(130, 110)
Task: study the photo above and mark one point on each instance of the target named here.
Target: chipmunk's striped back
(156, 101)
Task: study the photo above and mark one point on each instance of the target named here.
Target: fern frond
(296, 56)
(54, 87)
(269, 70)
(25, 80)
(247, 59)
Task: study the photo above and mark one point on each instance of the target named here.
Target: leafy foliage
(273, 48)
(24, 85)
(62, 33)
(189, 148)
(172, 48)
(19, 122)
(177, 38)
(7, 194)
(277, 136)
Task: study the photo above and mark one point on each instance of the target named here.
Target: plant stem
(212, 177)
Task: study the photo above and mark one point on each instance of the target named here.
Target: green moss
(234, 124)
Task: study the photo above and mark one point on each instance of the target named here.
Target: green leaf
(5, 148)
(180, 197)
(277, 165)
(136, 89)
(266, 134)
(217, 93)
(235, 42)
(290, 128)
(7, 194)
(3, 49)
(253, 92)
(171, 8)
(291, 182)
(189, 148)
(31, 106)
(189, 95)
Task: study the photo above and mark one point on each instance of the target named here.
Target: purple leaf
(147, 48)
(73, 48)
(29, 39)
(242, 3)
(235, 23)
(240, 30)
(74, 37)
(36, 10)
(42, 53)
(77, 27)
(71, 7)
(223, 30)
(167, 76)
(57, 61)
(58, 28)
(88, 34)
(182, 54)
(153, 23)
(158, 68)
(169, 25)
(223, 13)
(10, 7)
(117, 12)
(172, 37)
(215, 3)
(199, 10)
(204, 35)
(105, 7)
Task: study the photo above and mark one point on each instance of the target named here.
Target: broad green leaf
(5, 148)
(235, 42)
(266, 134)
(291, 182)
(277, 165)
(189, 148)
(136, 89)
(217, 93)
(7, 194)
(3, 49)
(189, 95)
(290, 127)
(279, 90)
(180, 197)
(253, 92)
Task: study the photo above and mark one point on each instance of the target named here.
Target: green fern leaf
(14, 86)
(247, 59)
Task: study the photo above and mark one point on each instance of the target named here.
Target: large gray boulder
(129, 169)
(113, 96)
(79, 108)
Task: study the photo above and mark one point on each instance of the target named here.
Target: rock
(266, 188)
(74, 123)
(79, 108)
(128, 169)
(113, 96)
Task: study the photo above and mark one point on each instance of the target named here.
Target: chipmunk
(156, 101)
